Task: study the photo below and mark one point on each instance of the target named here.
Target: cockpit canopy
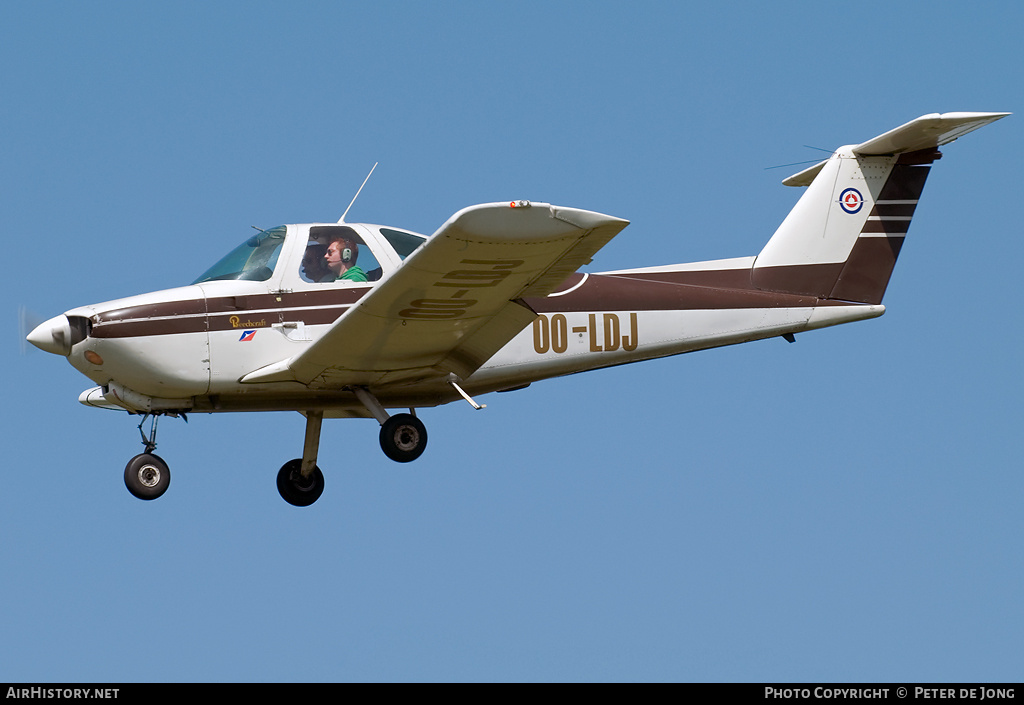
(253, 260)
(366, 251)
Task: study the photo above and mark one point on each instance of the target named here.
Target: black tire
(403, 438)
(147, 476)
(297, 490)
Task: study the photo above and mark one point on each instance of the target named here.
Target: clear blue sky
(847, 508)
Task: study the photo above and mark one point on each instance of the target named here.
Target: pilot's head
(341, 255)
(313, 264)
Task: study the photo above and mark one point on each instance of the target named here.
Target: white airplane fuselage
(187, 349)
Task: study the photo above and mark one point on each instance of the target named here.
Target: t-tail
(842, 238)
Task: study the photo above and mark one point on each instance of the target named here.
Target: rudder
(866, 272)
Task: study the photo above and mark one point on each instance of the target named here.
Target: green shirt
(353, 274)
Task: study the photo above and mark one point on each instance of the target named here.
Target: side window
(336, 253)
(403, 242)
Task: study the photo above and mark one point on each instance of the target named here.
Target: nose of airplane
(53, 336)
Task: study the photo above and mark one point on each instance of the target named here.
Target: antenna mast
(342, 219)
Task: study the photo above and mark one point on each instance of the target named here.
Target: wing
(455, 301)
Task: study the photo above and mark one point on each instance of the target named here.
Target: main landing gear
(403, 438)
(300, 481)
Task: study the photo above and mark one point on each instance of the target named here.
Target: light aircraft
(346, 320)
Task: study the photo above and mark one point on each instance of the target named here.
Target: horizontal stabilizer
(805, 177)
(927, 131)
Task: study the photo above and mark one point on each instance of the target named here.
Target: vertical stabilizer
(842, 238)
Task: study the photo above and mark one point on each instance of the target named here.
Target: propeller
(27, 322)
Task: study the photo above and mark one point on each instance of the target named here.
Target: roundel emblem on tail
(851, 201)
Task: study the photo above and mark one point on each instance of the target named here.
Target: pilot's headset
(348, 253)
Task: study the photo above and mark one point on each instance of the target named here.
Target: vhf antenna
(342, 219)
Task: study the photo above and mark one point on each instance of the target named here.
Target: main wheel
(403, 438)
(296, 489)
(147, 476)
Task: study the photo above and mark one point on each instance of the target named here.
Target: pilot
(314, 267)
(341, 260)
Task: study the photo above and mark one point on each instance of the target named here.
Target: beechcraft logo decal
(851, 201)
(247, 335)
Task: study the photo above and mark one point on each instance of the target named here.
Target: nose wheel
(147, 476)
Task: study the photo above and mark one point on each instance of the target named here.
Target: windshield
(253, 260)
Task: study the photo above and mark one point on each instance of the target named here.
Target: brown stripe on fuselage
(921, 156)
(249, 302)
(187, 307)
(713, 278)
(145, 327)
(660, 291)
(905, 183)
(866, 272)
(814, 280)
(885, 225)
(893, 210)
(226, 313)
(606, 292)
(868, 269)
(310, 307)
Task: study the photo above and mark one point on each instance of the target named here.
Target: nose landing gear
(146, 475)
